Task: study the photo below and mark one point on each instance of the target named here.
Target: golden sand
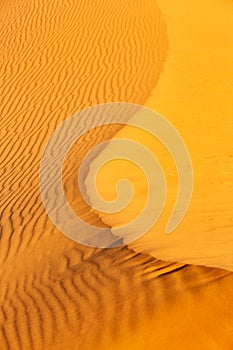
(194, 93)
(59, 57)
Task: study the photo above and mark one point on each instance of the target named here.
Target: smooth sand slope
(194, 93)
(59, 57)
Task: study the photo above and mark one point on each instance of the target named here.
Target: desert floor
(161, 291)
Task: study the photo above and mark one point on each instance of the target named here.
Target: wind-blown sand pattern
(59, 57)
(63, 58)
(195, 94)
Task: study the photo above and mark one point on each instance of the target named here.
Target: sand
(194, 93)
(59, 57)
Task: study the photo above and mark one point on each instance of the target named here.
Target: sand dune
(62, 59)
(59, 57)
(194, 93)
(80, 298)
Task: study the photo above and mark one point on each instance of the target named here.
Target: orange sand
(194, 93)
(59, 57)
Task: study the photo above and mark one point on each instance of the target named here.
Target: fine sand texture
(57, 58)
(194, 93)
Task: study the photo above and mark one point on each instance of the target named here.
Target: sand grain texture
(194, 93)
(57, 58)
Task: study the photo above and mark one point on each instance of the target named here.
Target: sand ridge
(59, 57)
(194, 94)
(61, 60)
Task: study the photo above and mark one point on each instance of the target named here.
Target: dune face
(194, 93)
(60, 58)
(55, 294)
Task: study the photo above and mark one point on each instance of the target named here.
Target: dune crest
(60, 57)
(194, 94)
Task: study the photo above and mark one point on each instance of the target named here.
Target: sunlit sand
(194, 94)
(58, 58)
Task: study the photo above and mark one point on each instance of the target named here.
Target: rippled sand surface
(57, 58)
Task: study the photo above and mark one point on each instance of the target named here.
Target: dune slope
(59, 57)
